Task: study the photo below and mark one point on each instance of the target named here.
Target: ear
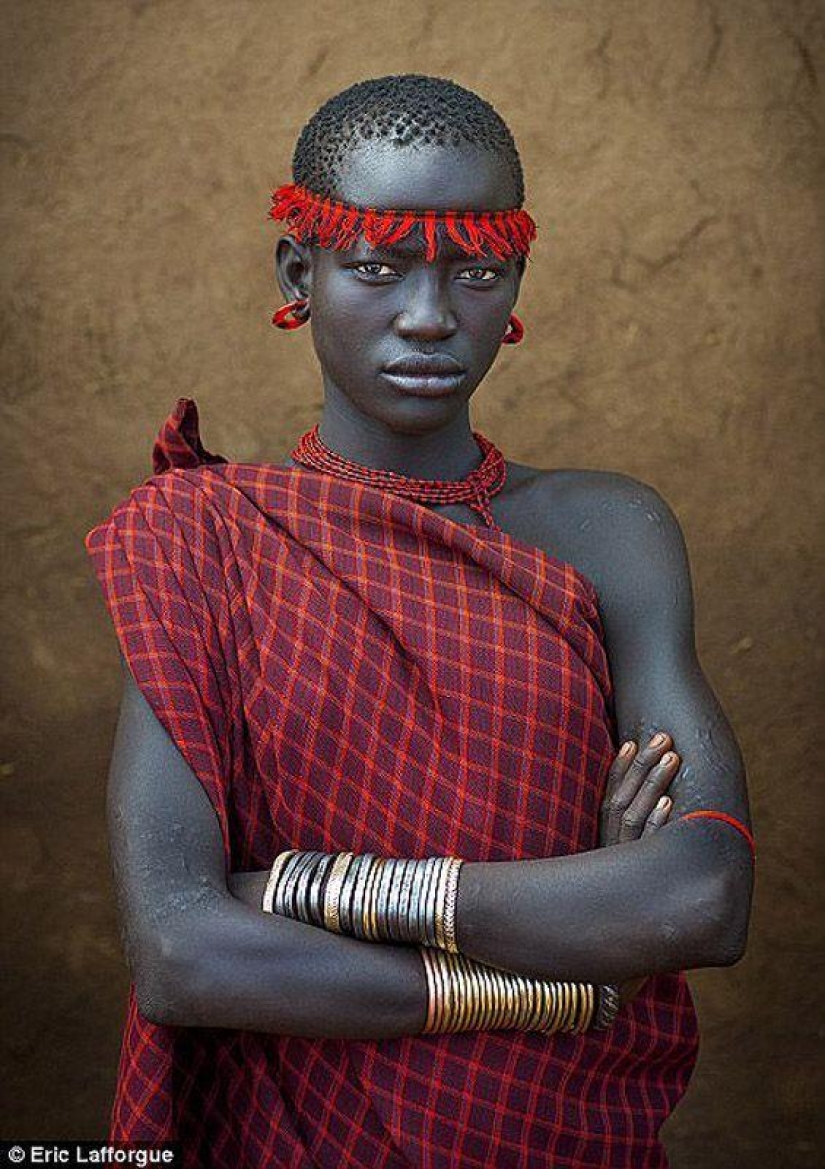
(293, 267)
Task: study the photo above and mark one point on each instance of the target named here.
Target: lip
(426, 385)
(425, 365)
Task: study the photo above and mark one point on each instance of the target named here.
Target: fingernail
(668, 757)
(657, 740)
(626, 748)
(662, 804)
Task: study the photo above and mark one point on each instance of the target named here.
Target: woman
(399, 644)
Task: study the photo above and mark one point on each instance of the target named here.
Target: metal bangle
(431, 902)
(320, 885)
(285, 882)
(274, 876)
(566, 1003)
(456, 990)
(359, 896)
(359, 903)
(377, 872)
(302, 885)
(312, 879)
(432, 994)
(532, 1009)
(345, 896)
(420, 907)
(463, 997)
(331, 906)
(609, 1002)
(588, 1015)
(498, 1014)
(450, 903)
(439, 1006)
(481, 1022)
(404, 889)
(439, 907)
(384, 900)
(415, 911)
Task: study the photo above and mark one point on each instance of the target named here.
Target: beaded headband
(333, 224)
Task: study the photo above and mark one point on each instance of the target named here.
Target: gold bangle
(564, 1005)
(558, 1003)
(500, 1014)
(274, 876)
(469, 991)
(367, 879)
(332, 908)
(364, 885)
(533, 1001)
(571, 1000)
(440, 985)
(544, 1012)
(548, 1022)
(381, 878)
(588, 1014)
(465, 995)
(359, 903)
(486, 1006)
(432, 994)
(452, 999)
(450, 903)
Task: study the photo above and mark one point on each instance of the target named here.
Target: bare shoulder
(612, 527)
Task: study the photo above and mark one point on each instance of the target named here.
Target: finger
(653, 787)
(618, 770)
(619, 800)
(658, 816)
(621, 763)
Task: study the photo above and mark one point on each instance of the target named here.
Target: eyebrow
(401, 251)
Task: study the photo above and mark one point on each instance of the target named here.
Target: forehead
(462, 177)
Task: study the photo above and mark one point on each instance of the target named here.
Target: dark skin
(658, 895)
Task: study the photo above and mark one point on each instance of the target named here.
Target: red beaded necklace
(475, 489)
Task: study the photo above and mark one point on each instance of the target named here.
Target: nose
(426, 312)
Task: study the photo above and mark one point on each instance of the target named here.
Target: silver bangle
(609, 1002)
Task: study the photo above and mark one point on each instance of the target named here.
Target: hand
(635, 806)
(635, 784)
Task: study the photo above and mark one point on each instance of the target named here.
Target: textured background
(670, 151)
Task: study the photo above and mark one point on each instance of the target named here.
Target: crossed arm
(672, 900)
(202, 953)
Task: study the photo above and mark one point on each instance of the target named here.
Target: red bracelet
(728, 820)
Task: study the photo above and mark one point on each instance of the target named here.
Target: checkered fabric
(344, 668)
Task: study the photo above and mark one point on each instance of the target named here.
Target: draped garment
(346, 669)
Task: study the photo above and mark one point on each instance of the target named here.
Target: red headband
(332, 224)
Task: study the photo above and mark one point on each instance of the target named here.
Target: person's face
(372, 306)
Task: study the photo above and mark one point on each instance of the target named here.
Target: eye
(372, 264)
(492, 274)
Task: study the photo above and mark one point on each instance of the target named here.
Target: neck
(449, 452)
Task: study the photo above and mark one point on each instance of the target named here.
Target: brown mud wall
(671, 307)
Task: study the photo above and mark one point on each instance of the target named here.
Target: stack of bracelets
(384, 899)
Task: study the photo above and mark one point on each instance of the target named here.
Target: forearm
(664, 902)
(240, 968)
(656, 904)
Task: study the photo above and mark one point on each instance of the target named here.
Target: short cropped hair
(405, 108)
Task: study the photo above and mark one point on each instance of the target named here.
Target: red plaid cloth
(344, 668)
